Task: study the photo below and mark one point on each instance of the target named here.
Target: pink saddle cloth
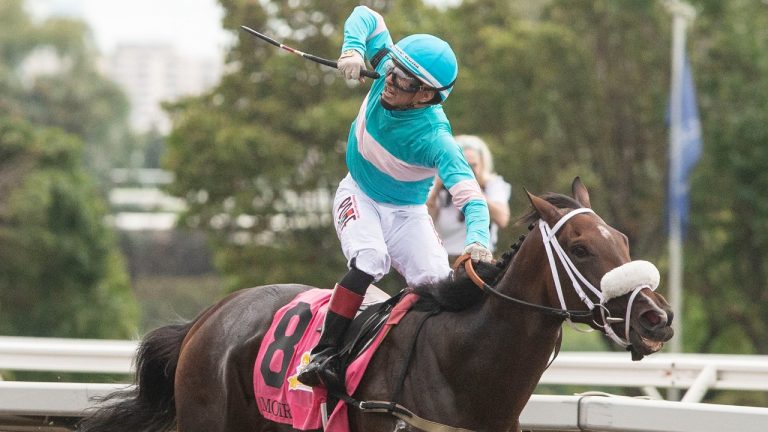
(284, 352)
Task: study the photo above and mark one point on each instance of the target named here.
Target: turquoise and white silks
(393, 156)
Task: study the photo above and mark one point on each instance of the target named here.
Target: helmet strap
(444, 88)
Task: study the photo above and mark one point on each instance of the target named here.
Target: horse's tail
(148, 406)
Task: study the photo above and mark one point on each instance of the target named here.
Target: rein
(558, 312)
(553, 249)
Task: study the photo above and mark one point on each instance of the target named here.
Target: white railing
(66, 355)
(50, 399)
(695, 372)
(624, 414)
(542, 413)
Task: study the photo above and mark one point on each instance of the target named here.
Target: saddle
(364, 328)
(286, 347)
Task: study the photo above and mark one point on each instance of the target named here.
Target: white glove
(478, 252)
(350, 63)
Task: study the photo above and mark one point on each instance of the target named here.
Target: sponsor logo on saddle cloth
(284, 352)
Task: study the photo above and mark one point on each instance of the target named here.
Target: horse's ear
(580, 193)
(545, 210)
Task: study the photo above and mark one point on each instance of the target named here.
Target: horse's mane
(460, 293)
(455, 293)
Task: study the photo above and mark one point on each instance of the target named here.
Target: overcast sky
(192, 26)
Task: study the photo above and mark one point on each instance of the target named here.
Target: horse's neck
(497, 345)
(521, 334)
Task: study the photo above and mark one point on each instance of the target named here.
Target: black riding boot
(324, 368)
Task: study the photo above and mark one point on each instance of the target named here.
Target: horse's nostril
(652, 318)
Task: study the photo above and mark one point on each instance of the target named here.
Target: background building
(153, 73)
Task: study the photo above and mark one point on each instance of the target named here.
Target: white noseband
(627, 277)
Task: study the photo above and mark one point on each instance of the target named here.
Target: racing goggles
(403, 80)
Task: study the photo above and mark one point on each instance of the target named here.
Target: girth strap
(398, 411)
(407, 416)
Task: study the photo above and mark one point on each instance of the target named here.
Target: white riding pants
(381, 235)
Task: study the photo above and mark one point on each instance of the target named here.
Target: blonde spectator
(449, 221)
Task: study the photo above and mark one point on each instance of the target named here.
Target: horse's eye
(579, 251)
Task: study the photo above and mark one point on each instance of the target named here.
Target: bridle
(553, 250)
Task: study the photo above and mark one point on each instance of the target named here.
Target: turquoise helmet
(430, 59)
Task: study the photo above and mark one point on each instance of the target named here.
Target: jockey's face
(402, 91)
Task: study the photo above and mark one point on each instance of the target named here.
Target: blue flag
(690, 147)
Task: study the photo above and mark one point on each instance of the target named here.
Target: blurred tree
(727, 250)
(60, 271)
(71, 95)
(570, 88)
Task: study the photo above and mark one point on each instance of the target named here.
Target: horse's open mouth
(652, 346)
(645, 345)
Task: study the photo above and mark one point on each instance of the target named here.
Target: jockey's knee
(373, 262)
(425, 277)
(427, 272)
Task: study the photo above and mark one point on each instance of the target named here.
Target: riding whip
(331, 63)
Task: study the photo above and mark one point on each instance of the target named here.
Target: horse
(473, 367)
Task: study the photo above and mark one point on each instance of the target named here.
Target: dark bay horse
(474, 366)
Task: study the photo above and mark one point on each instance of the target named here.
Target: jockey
(400, 139)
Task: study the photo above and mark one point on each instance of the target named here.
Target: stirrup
(322, 373)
